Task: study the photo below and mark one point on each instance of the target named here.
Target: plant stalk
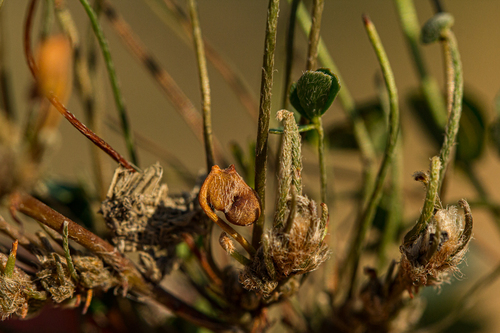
(264, 116)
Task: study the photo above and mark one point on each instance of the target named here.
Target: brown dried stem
(35, 209)
(55, 100)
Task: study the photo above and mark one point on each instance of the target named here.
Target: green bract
(314, 92)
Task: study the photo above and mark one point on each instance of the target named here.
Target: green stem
(289, 53)
(312, 53)
(204, 84)
(369, 213)
(11, 260)
(67, 253)
(322, 158)
(363, 139)
(395, 206)
(454, 66)
(264, 115)
(428, 85)
(120, 105)
(173, 16)
(430, 202)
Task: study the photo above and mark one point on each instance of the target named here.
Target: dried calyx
(436, 253)
(294, 245)
(145, 219)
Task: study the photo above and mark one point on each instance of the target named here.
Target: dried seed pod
(226, 191)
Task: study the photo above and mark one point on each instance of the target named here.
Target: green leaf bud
(314, 92)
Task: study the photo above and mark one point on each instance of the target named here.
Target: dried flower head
(437, 251)
(143, 217)
(17, 292)
(296, 249)
(55, 278)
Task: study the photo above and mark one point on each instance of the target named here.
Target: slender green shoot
(431, 198)
(289, 57)
(453, 66)
(363, 139)
(67, 253)
(428, 84)
(312, 53)
(113, 78)
(366, 219)
(11, 261)
(265, 115)
(322, 158)
(204, 84)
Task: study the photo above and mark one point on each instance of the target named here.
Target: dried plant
(280, 258)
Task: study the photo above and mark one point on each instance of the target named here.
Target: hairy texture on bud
(439, 249)
(226, 243)
(285, 254)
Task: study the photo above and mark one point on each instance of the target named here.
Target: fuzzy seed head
(438, 250)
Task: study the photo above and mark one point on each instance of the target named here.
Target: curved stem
(369, 213)
(113, 78)
(59, 106)
(453, 66)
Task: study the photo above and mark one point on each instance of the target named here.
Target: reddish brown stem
(202, 258)
(35, 209)
(58, 105)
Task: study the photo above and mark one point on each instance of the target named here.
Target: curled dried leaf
(226, 191)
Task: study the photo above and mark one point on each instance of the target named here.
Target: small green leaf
(314, 92)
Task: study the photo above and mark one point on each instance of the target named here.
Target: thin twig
(232, 77)
(362, 137)
(175, 95)
(312, 53)
(204, 84)
(35, 209)
(428, 84)
(85, 73)
(113, 78)
(59, 106)
(265, 115)
(289, 52)
(454, 65)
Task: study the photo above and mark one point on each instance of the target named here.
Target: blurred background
(236, 30)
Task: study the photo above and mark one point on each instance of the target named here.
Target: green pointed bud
(314, 92)
(434, 28)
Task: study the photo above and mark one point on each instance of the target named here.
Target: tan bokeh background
(236, 29)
